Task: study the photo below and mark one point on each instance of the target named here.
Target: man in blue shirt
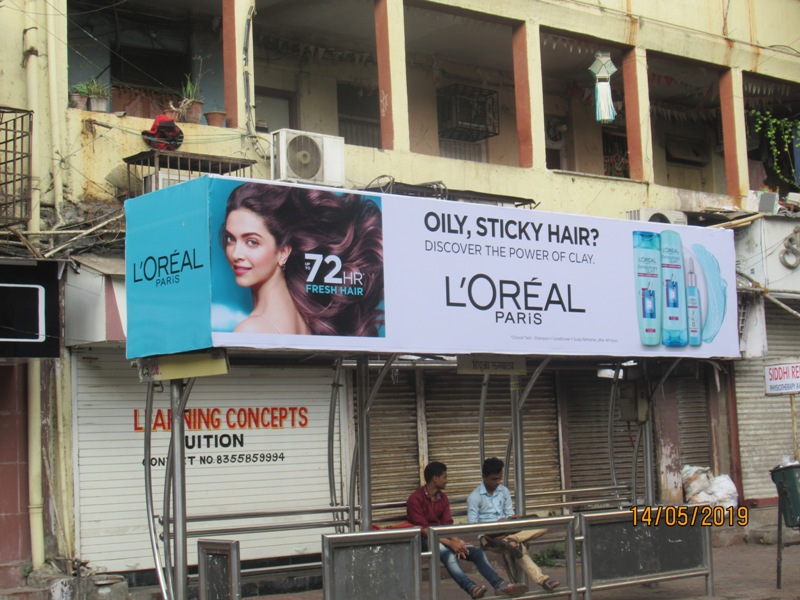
(491, 502)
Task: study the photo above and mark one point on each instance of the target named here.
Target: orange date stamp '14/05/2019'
(690, 515)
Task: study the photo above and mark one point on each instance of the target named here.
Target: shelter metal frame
(173, 573)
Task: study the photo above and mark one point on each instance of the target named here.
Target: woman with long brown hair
(313, 259)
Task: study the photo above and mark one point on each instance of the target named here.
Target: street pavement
(741, 572)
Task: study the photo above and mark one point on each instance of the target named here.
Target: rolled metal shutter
(765, 422)
(393, 439)
(587, 425)
(453, 410)
(109, 403)
(394, 448)
(694, 420)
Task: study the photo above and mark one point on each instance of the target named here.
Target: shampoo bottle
(647, 269)
(694, 311)
(674, 325)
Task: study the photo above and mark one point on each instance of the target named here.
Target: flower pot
(172, 113)
(194, 112)
(78, 101)
(216, 118)
(98, 104)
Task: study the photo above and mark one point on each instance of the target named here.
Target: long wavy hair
(347, 226)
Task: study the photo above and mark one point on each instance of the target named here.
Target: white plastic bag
(724, 491)
(695, 480)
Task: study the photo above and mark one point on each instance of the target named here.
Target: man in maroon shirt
(428, 506)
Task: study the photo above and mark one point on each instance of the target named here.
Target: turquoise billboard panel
(168, 270)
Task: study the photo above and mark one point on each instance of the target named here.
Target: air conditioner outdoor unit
(308, 157)
(653, 215)
(163, 179)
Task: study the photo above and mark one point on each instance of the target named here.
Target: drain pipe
(56, 100)
(30, 59)
(35, 461)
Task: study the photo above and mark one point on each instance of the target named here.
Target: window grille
(15, 165)
(466, 113)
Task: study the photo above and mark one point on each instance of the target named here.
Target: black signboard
(30, 326)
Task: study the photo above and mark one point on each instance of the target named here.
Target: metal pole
(331, 429)
(179, 491)
(709, 553)
(166, 592)
(365, 483)
(650, 488)
(482, 418)
(516, 432)
(794, 428)
(780, 535)
(433, 546)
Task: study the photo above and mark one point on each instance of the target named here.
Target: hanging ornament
(603, 69)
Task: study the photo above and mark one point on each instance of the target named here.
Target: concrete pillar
(230, 61)
(529, 96)
(392, 84)
(668, 445)
(637, 115)
(734, 133)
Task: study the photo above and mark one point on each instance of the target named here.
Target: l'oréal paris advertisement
(300, 267)
(296, 261)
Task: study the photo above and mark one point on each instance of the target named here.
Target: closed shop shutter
(765, 422)
(394, 450)
(453, 409)
(694, 420)
(257, 442)
(587, 400)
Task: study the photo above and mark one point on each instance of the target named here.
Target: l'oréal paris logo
(166, 269)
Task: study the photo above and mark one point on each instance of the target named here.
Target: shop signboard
(782, 379)
(237, 263)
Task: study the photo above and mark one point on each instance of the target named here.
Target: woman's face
(251, 249)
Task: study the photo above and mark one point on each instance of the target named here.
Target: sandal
(477, 591)
(512, 589)
(550, 584)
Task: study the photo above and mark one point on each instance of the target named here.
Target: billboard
(228, 262)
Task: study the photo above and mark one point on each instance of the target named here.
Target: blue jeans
(477, 556)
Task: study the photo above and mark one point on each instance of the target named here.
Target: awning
(94, 301)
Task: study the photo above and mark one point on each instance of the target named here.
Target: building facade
(611, 109)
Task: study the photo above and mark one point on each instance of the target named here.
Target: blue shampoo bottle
(674, 325)
(693, 307)
(647, 271)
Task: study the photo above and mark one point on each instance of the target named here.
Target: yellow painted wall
(678, 28)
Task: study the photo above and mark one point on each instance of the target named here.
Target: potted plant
(79, 95)
(216, 118)
(190, 107)
(98, 93)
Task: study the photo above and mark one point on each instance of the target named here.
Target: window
(615, 154)
(359, 115)
(275, 109)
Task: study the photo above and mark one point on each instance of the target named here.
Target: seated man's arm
(508, 506)
(473, 501)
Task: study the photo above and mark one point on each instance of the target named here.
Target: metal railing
(567, 523)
